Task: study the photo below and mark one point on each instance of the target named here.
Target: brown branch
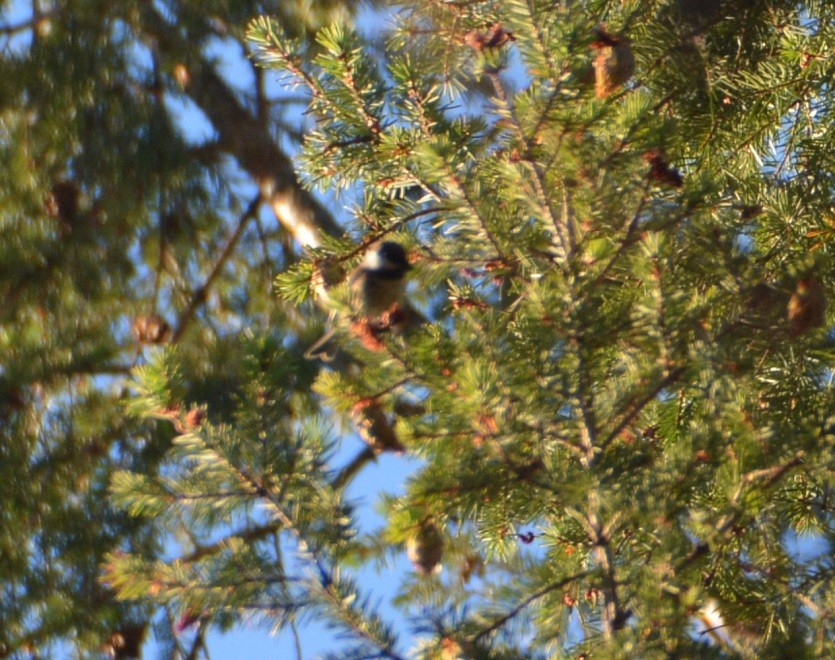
(668, 380)
(366, 455)
(613, 614)
(28, 24)
(247, 535)
(198, 644)
(246, 138)
(498, 623)
(773, 474)
(202, 292)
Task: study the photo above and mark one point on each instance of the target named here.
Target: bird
(425, 549)
(380, 280)
(377, 301)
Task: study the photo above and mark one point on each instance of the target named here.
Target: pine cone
(151, 329)
(807, 306)
(614, 64)
(495, 37)
(661, 170)
(375, 428)
(62, 204)
(126, 643)
(426, 549)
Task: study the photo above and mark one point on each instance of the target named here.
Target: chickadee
(378, 286)
(425, 549)
(380, 280)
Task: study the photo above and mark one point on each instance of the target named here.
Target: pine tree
(620, 218)
(120, 232)
(624, 408)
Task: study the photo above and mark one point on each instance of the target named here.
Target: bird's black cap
(394, 253)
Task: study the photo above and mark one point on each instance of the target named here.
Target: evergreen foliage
(621, 405)
(119, 231)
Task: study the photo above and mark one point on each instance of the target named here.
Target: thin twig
(247, 535)
(668, 380)
(200, 295)
(498, 623)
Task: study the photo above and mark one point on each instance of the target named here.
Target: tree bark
(247, 139)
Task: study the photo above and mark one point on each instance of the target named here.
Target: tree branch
(247, 139)
(202, 291)
(248, 535)
(498, 623)
(613, 615)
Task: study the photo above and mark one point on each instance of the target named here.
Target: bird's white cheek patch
(372, 260)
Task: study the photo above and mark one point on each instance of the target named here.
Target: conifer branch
(275, 50)
(329, 583)
(555, 75)
(501, 621)
(630, 235)
(372, 122)
(640, 403)
(770, 476)
(202, 292)
(564, 232)
(464, 194)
